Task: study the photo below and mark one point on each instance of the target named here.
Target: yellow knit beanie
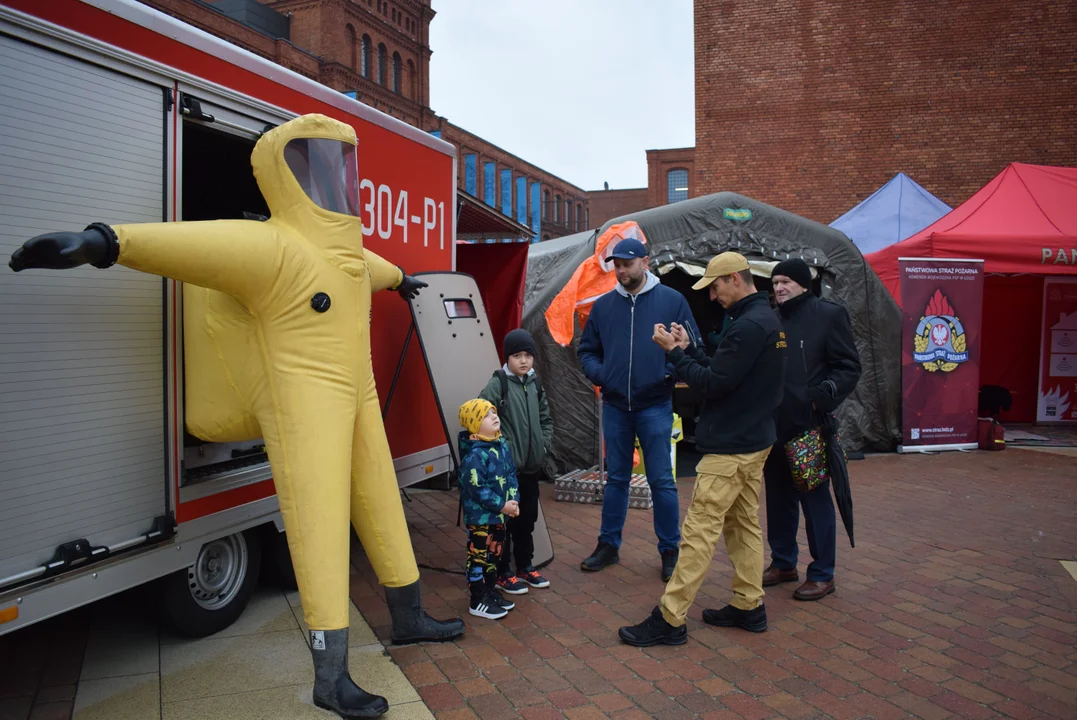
(472, 413)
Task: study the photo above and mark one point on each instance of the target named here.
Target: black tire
(189, 604)
(277, 568)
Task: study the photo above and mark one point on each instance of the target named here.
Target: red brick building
(671, 177)
(812, 106)
(378, 51)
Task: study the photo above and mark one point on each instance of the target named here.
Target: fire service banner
(1058, 353)
(942, 310)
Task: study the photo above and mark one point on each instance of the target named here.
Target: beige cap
(721, 265)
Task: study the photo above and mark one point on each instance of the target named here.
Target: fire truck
(111, 111)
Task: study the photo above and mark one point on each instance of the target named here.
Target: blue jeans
(784, 502)
(653, 426)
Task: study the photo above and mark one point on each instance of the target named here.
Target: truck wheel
(210, 595)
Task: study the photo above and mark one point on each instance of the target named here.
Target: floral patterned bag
(806, 455)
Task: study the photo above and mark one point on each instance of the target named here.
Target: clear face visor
(328, 172)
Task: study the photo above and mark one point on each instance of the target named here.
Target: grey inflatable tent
(682, 238)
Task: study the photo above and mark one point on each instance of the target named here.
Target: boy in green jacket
(516, 391)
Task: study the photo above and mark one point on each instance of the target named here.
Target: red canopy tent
(1023, 225)
(499, 268)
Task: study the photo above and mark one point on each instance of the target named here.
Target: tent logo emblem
(940, 337)
(739, 214)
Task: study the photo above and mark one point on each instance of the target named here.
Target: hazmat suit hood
(309, 176)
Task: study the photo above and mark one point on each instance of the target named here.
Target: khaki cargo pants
(725, 502)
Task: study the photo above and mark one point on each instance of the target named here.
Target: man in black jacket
(823, 369)
(741, 386)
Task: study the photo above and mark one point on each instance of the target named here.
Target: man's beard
(631, 283)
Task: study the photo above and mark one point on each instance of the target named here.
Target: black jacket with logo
(823, 366)
(741, 384)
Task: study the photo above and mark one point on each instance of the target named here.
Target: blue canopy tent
(897, 210)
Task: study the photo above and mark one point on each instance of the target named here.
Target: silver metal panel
(82, 436)
(47, 598)
(460, 356)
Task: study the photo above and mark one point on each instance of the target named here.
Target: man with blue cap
(617, 354)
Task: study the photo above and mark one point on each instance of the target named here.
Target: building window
(364, 57)
(557, 208)
(489, 181)
(676, 185)
(412, 81)
(579, 217)
(394, 14)
(568, 213)
(381, 63)
(353, 50)
(396, 72)
(545, 203)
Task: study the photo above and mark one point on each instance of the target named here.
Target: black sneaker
(487, 607)
(654, 631)
(669, 562)
(498, 598)
(603, 556)
(729, 616)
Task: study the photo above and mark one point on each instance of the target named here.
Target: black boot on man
(603, 556)
(654, 631)
(334, 689)
(411, 624)
(669, 563)
(751, 620)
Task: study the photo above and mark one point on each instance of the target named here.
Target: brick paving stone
(567, 698)
(747, 706)
(612, 702)
(441, 697)
(833, 706)
(493, 707)
(920, 707)
(588, 712)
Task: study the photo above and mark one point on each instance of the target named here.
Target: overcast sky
(581, 88)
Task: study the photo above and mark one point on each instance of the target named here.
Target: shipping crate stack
(585, 486)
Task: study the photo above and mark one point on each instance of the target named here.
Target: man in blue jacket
(617, 354)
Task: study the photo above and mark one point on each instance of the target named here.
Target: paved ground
(954, 604)
(112, 661)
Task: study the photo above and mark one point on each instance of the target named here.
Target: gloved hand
(823, 396)
(96, 245)
(409, 287)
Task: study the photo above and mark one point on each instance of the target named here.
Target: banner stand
(942, 314)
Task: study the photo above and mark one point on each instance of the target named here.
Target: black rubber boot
(411, 624)
(334, 689)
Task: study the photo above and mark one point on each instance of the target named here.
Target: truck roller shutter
(82, 392)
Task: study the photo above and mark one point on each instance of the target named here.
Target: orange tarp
(592, 279)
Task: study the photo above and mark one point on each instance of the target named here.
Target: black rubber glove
(409, 287)
(96, 245)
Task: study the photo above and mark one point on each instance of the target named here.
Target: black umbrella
(839, 475)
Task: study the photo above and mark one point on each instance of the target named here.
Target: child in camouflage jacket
(489, 490)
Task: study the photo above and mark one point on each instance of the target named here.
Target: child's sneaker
(512, 585)
(501, 600)
(532, 577)
(487, 607)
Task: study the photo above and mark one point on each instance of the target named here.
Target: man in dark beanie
(822, 370)
(516, 391)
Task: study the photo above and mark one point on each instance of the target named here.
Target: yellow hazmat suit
(282, 351)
